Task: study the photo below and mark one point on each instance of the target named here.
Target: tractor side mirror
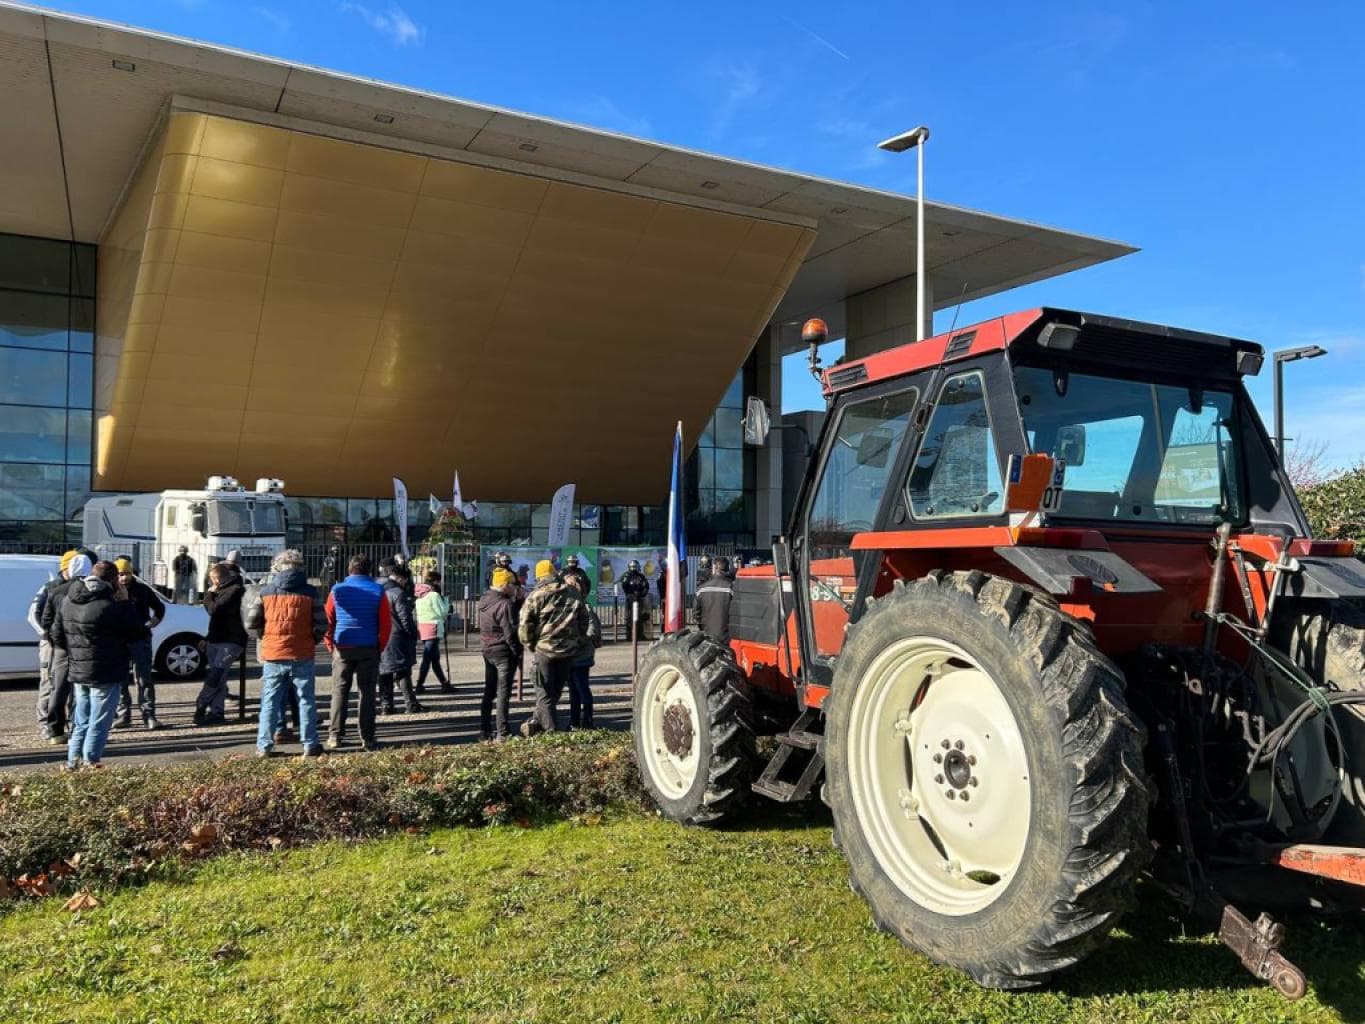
(1070, 447)
(874, 448)
(757, 422)
(782, 557)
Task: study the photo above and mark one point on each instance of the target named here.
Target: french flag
(677, 542)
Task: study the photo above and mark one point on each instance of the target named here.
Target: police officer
(713, 603)
(574, 574)
(703, 569)
(635, 589)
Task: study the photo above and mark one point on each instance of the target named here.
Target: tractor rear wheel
(1327, 639)
(986, 777)
(693, 739)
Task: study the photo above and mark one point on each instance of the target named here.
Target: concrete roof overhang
(86, 100)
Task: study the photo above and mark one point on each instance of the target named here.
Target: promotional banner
(400, 513)
(561, 516)
(611, 566)
(455, 501)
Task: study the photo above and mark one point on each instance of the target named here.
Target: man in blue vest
(358, 626)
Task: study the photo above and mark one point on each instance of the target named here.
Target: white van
(175, 640)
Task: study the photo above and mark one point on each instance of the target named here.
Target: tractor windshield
(1134, 450)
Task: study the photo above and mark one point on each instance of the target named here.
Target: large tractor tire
(986, 778)
(693, 739)
(1327, 639)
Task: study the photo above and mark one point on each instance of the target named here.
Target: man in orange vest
(288, 618)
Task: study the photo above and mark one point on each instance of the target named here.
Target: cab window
(957, 470)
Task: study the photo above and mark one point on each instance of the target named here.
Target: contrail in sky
(818, 38)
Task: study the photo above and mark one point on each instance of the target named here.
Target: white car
(176, 640)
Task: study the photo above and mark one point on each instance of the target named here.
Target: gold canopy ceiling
(277, 303)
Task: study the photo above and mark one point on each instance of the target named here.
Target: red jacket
(286, 617)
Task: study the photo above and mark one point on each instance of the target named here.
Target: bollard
(616, 615)
(634, 638)
(464, 617)
(241, 687)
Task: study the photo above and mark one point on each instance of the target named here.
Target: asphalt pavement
(452, 718)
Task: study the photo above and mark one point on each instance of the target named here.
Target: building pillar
(768, 459)
(884, 317)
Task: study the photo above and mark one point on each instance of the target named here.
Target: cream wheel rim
(670, 731)
(939, 776)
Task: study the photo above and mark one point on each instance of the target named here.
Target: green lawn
(631, 919)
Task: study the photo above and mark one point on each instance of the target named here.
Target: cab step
(797, 765)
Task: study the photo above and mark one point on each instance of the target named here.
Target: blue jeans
(276, 678)
(95, 708)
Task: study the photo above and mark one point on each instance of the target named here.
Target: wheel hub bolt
(945, 744)
(971, 759)
(938, 759)
(966, 795)
(958, 745)
(952, 794)
(972, 781)
(938, 779)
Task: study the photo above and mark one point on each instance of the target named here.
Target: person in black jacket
(635, 589)
(152, 610)
(713, 602)
(225, 644)
(97, 626)
(574, 574)
(54, 690)
(400, 653)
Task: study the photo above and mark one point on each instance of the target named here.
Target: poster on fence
(524, 561)
(611, 566)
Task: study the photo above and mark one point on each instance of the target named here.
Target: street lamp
(1282, 356)
(914, 139)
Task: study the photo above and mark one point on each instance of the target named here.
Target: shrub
(59, 830)
(1336, 507)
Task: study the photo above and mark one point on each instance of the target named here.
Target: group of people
(557, 626)
(63, 670)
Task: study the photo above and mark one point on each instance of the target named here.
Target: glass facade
(47, 341)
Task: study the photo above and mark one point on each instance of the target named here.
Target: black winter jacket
(96, 632)
(713, 607)
(400, 653)
(224, 606)
(149, 604)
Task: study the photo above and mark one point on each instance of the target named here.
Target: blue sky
(1227, 140)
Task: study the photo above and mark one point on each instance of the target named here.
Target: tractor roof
(1067, 334)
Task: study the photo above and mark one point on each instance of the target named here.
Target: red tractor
(1047, 619)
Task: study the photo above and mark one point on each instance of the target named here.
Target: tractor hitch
(1258, 947)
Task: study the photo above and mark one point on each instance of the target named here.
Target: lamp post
(1282, 356)
(914, 139)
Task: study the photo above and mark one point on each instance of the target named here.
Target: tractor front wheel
(693, 739)
(986, 778)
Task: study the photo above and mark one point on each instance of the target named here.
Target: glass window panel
(749, 469)
(729, 468)
(729, 431)
(957, 472)
(32, 435)
(730, 512)
(30, 377)
(77, 489)
(83, 269)
(32, 492)
(706, 469)
(708, 435)
(80, 381)
(734, 394)
(78, 432)
(37, 264)
(33, 321)
(82, 325)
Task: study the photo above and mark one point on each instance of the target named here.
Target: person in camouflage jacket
(555, 627)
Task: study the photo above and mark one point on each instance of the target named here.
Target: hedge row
(61, 831)
(1336, 507)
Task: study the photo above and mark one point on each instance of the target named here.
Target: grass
(626, 919)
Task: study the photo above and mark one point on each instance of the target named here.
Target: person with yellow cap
(556, 627)
(54, 692)
(501, 651)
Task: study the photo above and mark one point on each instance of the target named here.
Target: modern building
(216, 262)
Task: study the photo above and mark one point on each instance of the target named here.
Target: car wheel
(179, 657)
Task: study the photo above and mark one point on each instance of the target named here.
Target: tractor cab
(1048, 618)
